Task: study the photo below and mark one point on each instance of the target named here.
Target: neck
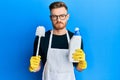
(59, 32)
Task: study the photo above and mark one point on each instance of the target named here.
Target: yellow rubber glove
(82, 65)
(34, 63)
(78, 55)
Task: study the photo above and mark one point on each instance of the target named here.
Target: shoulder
(47, 33)
(70, 33)
(47, 36)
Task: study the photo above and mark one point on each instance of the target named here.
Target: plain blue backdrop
(99, 23)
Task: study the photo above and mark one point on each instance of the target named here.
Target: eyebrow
(58, 15)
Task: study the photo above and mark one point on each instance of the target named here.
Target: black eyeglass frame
(61, 17)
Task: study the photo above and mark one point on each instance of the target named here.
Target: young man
(53, 52)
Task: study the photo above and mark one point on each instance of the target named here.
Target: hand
(35, 63)
(78, 55)
(35, 69)
(82, 65)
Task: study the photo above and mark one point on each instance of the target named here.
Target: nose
(58, 18)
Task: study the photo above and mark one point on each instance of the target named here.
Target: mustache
(58, 22)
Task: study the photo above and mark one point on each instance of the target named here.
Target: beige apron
(57, 66)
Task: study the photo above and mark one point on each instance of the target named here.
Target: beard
(59, 25)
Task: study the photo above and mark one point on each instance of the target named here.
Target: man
(53, 51)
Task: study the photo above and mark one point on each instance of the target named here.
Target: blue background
(99, 23)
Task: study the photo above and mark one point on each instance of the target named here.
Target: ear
(68, 15)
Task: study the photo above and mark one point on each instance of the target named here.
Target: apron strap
(68, 37)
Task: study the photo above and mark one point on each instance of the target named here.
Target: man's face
(59, 18)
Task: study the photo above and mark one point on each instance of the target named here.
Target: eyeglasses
(55, 17)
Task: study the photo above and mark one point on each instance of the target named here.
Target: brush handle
(37, 53)
(40, 32)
